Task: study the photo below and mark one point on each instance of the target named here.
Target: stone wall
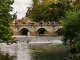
(35, 29)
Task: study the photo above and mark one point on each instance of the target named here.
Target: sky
(21, 7)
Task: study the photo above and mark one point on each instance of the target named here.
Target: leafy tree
(54, 12)
(35, 2)
(48, 1)
(36, 11)
(71, 33)
(5, 20)
(47, 11)
(60, 31)
(71, 26)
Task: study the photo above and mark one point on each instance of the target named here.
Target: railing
(37, 23)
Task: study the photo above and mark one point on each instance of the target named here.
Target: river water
(37, 48)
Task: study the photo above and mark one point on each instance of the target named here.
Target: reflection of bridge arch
(41, 31)
(24, 31)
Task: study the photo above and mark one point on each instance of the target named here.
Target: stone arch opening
(24, 31)
(41, 31)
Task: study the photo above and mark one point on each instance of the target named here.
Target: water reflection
(49, 51)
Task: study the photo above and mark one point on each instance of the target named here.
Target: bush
(60, 31)
(78, 46)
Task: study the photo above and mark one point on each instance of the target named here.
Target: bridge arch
(41, 31)
(24, 31)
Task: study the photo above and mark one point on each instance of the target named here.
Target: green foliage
(5, 20)
(35, 13)
(77, 43)
(53, 12)
(60, 31)
(47, 11)
(78, 46)
(71, 26)
(74, 57)
(23, 22)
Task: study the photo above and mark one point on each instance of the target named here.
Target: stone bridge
(35, 29)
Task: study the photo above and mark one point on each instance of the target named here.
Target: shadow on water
(49, 51)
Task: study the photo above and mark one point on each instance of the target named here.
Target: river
(37, 48)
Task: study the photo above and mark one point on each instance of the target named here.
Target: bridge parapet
(37, 23)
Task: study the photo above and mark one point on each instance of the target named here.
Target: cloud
(21, 7)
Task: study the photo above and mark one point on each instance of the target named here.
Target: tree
(48, 1)
(54, 11)
(36, 10)
(47, 11)
(5, 20)
(71, 33)
(71, 26)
